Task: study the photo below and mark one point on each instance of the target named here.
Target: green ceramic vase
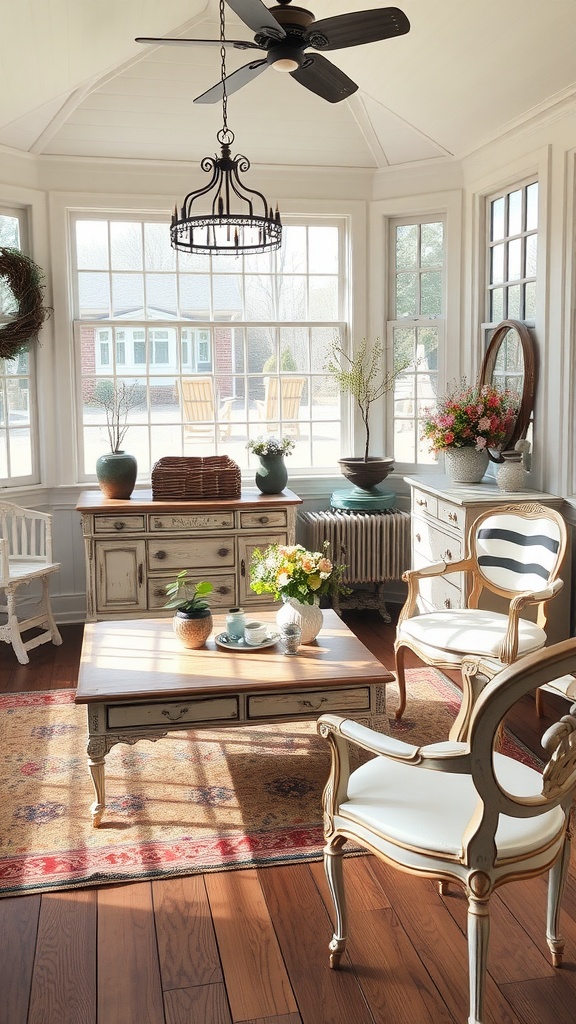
(116, 472)
(271, 475)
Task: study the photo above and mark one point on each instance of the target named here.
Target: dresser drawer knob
(417, 537)
(160, 555)
(264, 520)
(119, 525)
(447, 556)
(453, 517)
(447, 603)
(222, 552)
(422, 502)
(223, 590)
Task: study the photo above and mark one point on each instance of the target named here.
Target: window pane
(291, 258)
(496, 305)
(404, 346)
(432, 245)
(227, 296)
(406, 246)
(532, 207)
(323, 250)
(92, 245)
(514, 259)
(530, 300)
(158, 253)
(323, 298)
(405, 295)
(9, 231)
(531, 255)
(292, 298)
(259, 297)
(160, 296)
(127, 295)
(515, 212)
(126, 246)
(514, 294)
(497, 269)
(497, 226)
(431, 294)
(93, 295)
(195, 296)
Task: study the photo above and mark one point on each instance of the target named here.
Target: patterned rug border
(50, 870)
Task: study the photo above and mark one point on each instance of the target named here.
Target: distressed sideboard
(135, 547)
(442, 513)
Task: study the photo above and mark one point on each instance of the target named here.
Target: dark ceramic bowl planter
(116, 473)
(271, 475)
(366, 473)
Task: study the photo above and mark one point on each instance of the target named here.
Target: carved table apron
(137, 682)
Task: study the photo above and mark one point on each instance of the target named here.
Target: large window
(17, 442)
(416, 330)
(258, 328)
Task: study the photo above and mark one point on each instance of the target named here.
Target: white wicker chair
(26, 555)
(459, 812)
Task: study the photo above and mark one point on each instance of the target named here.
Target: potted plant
(117, 470)
(361, 376)
(466, 424)
(298, 578)
(272, 475)
(192, 621)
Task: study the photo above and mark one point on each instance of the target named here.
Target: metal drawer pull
(223, 552)
(140, 574)
(447, 603)
(160, 555)
(223, 590)
(242, 568)
(422, 501)
(174, 718)
(453, 517)
(447, 556)
(264, 519)
(119, 526)
(417, 537)
(313, 705)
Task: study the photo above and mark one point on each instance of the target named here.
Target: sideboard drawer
(308, 703)
(263, 520)
(196, 552)
(453, 515)
(177, 522)
(433, 545)
(223, 595)
(441, 592)
(119, 524)
(134, 716)
(424, 502)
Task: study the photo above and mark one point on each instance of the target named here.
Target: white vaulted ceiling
(73, 82)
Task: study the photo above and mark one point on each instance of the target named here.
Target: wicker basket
(176, 478)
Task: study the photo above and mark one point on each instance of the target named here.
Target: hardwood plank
(186, 940)
(289, 1018)
(256, 978)
(64, 983)
(303, 928)
(128, 968)
(205, 1004)
(548, 999)
(18, 928)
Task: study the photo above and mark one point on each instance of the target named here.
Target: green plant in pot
(117, 470)
(361, 376)
(192, 621)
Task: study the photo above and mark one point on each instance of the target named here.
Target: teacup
(255, 632)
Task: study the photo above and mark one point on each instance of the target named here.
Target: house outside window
(18, 428)
(260, 327)
(416, 330)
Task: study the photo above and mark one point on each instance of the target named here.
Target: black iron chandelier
(254, 227)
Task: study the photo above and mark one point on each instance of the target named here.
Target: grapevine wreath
(25, 280)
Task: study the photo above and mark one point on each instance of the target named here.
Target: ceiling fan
(285, 33)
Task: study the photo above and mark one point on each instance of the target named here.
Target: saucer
(228, 644)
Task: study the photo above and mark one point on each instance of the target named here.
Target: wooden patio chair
(26, 555)
(289, 393)
(200, 409)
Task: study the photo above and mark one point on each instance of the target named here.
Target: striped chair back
(518, 548)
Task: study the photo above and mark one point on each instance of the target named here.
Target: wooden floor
(251, 946)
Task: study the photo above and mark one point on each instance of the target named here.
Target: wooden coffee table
(138, 683)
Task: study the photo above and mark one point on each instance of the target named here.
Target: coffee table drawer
(308, 703)
(182, 712)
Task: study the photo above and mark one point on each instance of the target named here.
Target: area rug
(191, 802)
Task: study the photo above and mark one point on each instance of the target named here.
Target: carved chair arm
(387, 746)
(412, 576)
(509, 649)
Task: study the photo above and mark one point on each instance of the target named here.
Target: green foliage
(287, 362)
(187, 596)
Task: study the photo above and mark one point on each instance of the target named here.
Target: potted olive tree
(192, 621)
(361, 376)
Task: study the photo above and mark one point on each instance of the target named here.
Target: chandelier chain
(223, 70)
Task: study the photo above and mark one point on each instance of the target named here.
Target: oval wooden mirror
(510, 362)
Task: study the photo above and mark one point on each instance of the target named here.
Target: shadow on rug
(199, 801)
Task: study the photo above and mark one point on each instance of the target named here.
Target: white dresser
(442, 513)
(135, 547)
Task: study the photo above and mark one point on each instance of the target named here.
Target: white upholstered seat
(514, 552)
(459, 811)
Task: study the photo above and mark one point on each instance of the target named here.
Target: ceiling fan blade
(237, 80)
(238, 44)
(256, 15)
(322, 77)
(355, 29)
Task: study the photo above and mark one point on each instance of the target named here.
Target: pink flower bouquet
(471, 417)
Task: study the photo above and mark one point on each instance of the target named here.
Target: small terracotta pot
(193, 630)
